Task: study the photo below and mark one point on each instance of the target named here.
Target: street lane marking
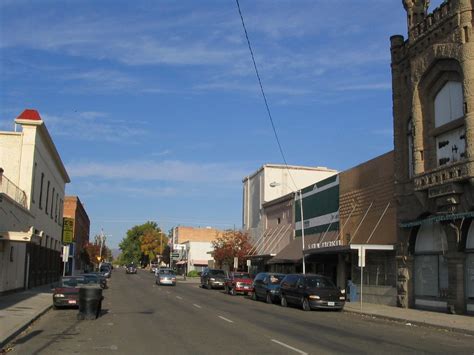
(197, 306)
(179, 297)
(227, 320)
(289, 347)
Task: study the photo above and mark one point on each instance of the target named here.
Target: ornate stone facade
(433, 111)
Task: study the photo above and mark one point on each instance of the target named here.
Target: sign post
(361, 252)
(68, 230)
(68, 238)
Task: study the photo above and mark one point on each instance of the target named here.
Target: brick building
(345, 217)
(73, 208)
(433, 105)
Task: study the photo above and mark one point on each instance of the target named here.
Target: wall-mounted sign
(68, 230)
(328, 244)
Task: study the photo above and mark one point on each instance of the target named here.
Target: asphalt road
(142, 318)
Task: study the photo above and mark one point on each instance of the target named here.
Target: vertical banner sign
(236, 263)
(68, 230)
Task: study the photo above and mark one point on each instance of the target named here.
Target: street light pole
(274, 184)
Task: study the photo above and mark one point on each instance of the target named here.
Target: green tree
(131, 244)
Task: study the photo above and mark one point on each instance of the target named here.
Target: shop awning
(292, 253)
(199, 262)
(438, 218)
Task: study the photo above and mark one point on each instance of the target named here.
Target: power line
(263, 94)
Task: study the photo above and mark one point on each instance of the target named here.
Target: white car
(165, 277)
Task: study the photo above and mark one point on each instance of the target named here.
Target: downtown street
(139, 317)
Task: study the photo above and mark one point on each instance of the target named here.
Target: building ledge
(445, 174)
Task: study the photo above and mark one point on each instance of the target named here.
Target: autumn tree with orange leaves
(153, 243)
(229, 245)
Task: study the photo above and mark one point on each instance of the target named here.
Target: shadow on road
(27, 337)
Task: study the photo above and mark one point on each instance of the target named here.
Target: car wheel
(55, 307)
(209, 285)
(283, 302)
(254, 296)
(305, 304)
(226, 289)
(268, 298)
(232, 291)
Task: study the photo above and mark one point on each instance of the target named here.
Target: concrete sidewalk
(19, 310)
(454, 322)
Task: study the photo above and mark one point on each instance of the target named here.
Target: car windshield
(276, 279)
(242, 275)
(319, 282)
(216, 272)
(72, 282)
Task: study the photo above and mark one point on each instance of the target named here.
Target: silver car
(165, 277)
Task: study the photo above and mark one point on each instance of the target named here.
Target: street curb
(418, 323)
(22, 327)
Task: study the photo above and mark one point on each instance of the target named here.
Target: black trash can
(90, 302)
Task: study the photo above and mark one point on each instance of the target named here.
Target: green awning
(438, 218)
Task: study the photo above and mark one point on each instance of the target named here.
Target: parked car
(95, 278)
(106, 269)
(213, 278)
(165, 277)
(266, 286)
(131, 269)
(311, 291)
(238, 282)
(66, 293)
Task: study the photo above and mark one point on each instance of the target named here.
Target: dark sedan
(131, 269)
(66, 294)
(213, 278)
(310, 292)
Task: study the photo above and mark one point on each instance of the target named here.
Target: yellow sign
(68, 230)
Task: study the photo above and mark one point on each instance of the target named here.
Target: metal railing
(10, 189)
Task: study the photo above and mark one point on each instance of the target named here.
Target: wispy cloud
(102, 79)
(362, 87)
(162, 153)
(169, 170)
(92, 126)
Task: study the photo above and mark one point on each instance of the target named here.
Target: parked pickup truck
(238, 282)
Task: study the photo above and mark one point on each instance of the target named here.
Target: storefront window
(470, 263)
(470, 276)
(379, 268)
(431, 267)
(426, 275)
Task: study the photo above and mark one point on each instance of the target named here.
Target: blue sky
(155, 108)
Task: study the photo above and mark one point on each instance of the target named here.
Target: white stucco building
(198, 255)
(272, 181)
(32, 186)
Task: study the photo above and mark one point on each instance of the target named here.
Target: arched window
(449, 103)
(431, 268)
(449, 106)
